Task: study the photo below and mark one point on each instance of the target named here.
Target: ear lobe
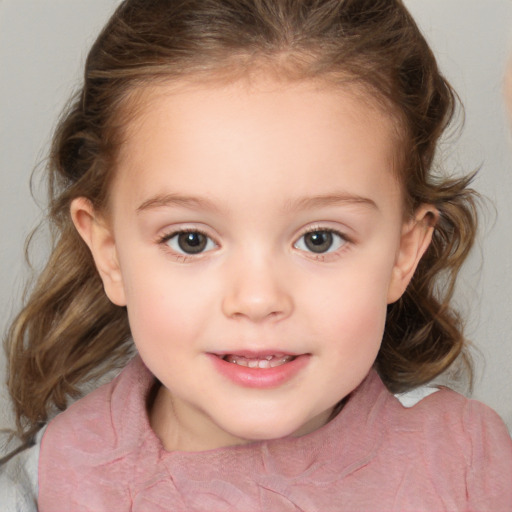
(96, 233)
(414, 241)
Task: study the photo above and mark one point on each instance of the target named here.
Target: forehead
(343, 94)
(260, 131)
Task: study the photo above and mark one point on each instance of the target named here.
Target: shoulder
(19, 480)
(442, 407)
(106, 425)
(457, 437)
(446, 414)
(100, 438)
(98, 421)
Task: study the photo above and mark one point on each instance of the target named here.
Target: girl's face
(256, 235)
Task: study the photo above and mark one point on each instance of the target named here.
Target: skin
(254, 167)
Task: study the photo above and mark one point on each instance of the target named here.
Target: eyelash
(323, 256)
(182, 257)
(320, 256)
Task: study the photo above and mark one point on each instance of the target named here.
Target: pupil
(192, 243)
(319, 241)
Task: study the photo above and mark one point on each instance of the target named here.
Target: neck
(187, 430)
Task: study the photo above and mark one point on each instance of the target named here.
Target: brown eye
(320, 241)
(190, 242)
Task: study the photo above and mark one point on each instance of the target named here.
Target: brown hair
(69, 332)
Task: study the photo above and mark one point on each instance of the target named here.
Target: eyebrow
(163, 200)
(201, 203)
(330, 200)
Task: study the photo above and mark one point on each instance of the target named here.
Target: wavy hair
(68, 332)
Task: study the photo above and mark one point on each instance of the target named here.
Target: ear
(414, 241)
(96, 233)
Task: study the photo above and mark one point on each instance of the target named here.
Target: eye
(189, 242)
(320, 241)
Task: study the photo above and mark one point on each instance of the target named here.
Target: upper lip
(255, 354)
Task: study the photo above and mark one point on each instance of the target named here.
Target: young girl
(245, 206)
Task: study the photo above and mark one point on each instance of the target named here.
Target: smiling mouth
(270, 361)
(260, 370)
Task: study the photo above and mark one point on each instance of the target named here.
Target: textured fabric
(445, 453)
(19, 476)
(18, 480)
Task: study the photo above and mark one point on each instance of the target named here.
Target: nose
(257, 289)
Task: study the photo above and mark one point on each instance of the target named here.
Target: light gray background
(43, 44)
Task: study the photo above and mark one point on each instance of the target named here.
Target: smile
(259, 370)
(270, 361)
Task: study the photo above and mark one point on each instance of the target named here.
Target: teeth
(266, 362)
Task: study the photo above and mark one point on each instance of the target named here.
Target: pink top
(445, 453)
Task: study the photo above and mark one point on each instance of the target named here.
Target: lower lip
(261, 378)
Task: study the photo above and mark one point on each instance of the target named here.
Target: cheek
(354, 343)
(354, 305)
(166, 308)
(359, 326)
(154, 303)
